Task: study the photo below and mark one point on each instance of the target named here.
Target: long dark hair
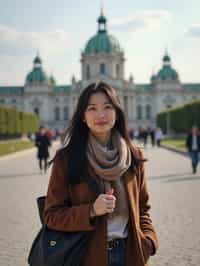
(76, 135)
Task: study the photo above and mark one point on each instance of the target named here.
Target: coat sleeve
(145, 219)
(58, 214)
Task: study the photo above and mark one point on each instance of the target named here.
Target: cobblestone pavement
(174, 196)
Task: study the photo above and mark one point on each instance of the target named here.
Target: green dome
(167, 72)
(37, 75)
(102, 42)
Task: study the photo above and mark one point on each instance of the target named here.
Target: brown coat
(76, 218)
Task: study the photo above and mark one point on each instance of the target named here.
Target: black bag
(58, 248)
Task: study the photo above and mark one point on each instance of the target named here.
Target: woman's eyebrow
(96, 103)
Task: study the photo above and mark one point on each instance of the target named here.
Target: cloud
(194, 31)
(142, 20)
(14, 42)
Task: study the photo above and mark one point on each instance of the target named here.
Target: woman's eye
(91, 108)
(109, 107)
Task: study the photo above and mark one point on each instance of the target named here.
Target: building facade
(102, 59)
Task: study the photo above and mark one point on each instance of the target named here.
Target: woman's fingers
(104, 204)
(109, 197)
(110, 204)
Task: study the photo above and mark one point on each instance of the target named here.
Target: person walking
(193, 147)
(145, 136)
(42, 142)
(151, 133)
(158, 136)
(97, 144)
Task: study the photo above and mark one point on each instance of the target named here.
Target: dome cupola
(37, 75)
(102, 42)
(167, 72)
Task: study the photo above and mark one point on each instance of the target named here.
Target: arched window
(2, 101)
(148, 111)
(57, 113)
(14, 101)
(66, 113)
(36, 110)
(102, 68)
(87, 72)
(139, 112)
(117, 70)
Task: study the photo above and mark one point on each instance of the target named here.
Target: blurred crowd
(146, 135)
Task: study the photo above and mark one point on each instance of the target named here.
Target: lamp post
(168, 101)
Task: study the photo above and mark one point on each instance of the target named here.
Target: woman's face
(100, 114)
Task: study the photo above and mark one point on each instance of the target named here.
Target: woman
(98, 144)
(42, 142)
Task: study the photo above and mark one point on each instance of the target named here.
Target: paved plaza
(174, 196)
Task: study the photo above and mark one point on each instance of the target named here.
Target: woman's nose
(101, 114)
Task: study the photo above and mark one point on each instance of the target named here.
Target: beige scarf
(110, 163)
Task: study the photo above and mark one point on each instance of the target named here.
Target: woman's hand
(104, 204)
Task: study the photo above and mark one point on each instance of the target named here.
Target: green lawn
(178, 143)
(7, 147)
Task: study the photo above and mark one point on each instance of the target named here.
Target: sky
(60, 29)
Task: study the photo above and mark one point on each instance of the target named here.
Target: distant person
(42, 142)
(136, 134)
(131, 133)
(193, 146)
(158, 136)
(151, 133)
(145, 136)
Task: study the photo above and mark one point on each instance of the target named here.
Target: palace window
(14, 101)
(117, 70)
(87, 72)
(139, 112)
(2, 101)
(103, 68)
(148, 111)
(66, 113)
(57, 113)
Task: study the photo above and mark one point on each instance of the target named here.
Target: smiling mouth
(101, 123)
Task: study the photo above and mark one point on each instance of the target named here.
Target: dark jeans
(117, 255)
(41, 163)
(158, 142)
(194, 159)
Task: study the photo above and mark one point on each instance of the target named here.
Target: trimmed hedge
(15, 122)
(181, 118)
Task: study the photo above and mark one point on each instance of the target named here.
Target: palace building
(102, 59)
